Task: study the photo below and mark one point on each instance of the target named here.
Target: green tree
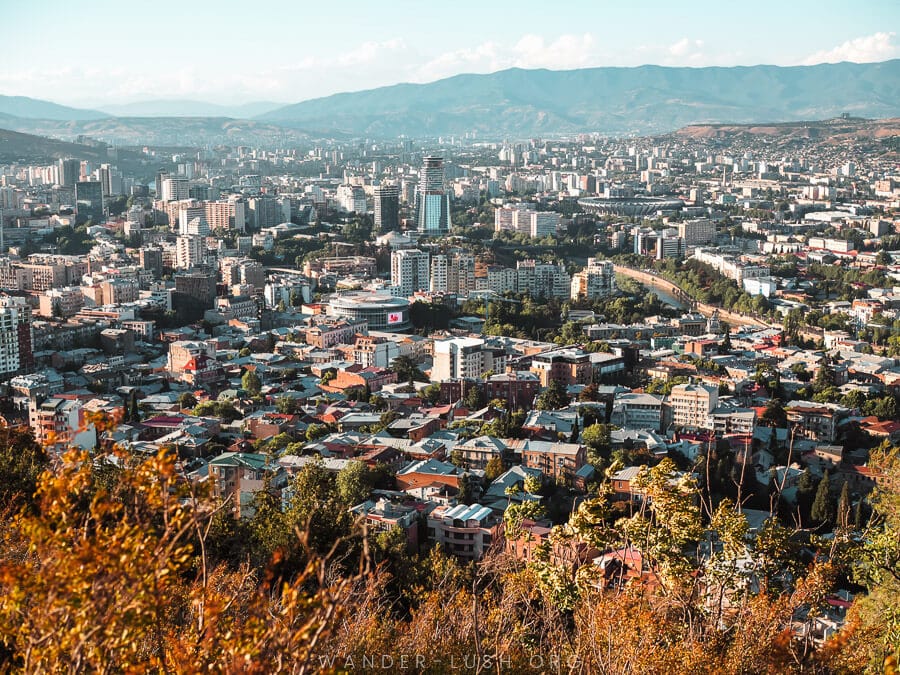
(474, 398)
(553, 397)
(187, 400)
(316, 431)
(354, 483)
(823, 506)
(251, 383)
(844, 506)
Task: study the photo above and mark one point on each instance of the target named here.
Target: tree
(407, 370)
(316, 431)
(286, 405)
(466, 494)
(493, 468)
(553, 397)
(824, 378)
(726, 341)
(22, 461)
(844, 506)
(187, 400)
(474, 398)
(823, 507)
(354, 483)
(251, 383)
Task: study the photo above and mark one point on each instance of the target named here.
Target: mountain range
(646, 99)
(511, 103)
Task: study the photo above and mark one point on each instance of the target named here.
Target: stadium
(382, 312)
(630, 206)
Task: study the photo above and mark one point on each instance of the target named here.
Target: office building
(88, 201)
(387, 208)
(432, 199)
(69, 172)
(410, 271)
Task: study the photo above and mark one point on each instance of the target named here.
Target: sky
(97, 52)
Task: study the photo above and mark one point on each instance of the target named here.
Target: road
(731, 318)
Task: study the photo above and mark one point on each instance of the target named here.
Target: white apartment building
(461, 358)
(692, 404)
(175, 188)
(597, 280)
(15, 333)
(410, 271)
(189, 251)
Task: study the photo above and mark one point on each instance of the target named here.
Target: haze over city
(230, 53)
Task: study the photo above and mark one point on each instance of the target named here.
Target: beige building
(692, 404)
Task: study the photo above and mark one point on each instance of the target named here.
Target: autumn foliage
(119, 564)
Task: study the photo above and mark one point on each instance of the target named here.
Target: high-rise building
(175, 188)
(15, 335)
(432, 199)
(410, 271)
(188, 251)
(161, 175)
(387, 208)
(439, 268)
(697, 232)
(69, 172)
(597, 280)
(88, 201)
(461, 274)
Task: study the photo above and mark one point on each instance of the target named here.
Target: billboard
(394, 317)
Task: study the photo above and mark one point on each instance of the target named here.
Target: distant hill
(19, 147)
(833, 131)
(163, 131)
(646, 99)
(190, 109)
(32, 108)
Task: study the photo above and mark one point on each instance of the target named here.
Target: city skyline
(221, 56)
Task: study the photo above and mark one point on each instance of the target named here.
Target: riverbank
(656, 283)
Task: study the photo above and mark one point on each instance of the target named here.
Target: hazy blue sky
(93, 52)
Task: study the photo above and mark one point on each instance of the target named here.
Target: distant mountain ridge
(33, 108)
(189, 108)
(645, 99)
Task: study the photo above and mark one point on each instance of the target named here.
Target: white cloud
(685, 51)
(567, 51)
(529, 51)
(876, 47)
(370, 51)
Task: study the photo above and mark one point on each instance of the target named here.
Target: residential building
(560, 461)
(691, 405)
(464, 531)
(461, 358)
(639, 411)
(15, 335)
(566, 366)
(410, 271)
(597, 280)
